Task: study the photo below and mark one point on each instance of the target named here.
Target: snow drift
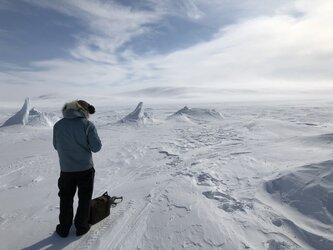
(309, 190)
(202, 186)
(38, 118)
(21, 117)
(138, 116)
(31, 117)
(196, 114)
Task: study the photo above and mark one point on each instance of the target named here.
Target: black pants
(67, 183)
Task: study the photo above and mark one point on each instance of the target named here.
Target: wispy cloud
(254, 44)
(260, 51)
(110, 26)
(280, 50)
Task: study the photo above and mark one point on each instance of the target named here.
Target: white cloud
(280, 49)
(110, 25)
(271, 51)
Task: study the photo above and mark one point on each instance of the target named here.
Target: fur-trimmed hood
(74, 109)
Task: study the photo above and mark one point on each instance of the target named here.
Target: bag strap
(115, 200)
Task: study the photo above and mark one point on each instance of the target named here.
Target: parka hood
(73, 110)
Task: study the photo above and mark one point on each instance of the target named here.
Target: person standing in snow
(75, 138)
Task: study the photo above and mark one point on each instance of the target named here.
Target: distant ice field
(208, 176)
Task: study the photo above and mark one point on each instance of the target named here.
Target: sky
(169, 48)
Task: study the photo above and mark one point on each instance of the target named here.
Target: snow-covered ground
(223, 176)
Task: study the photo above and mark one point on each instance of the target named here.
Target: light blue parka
(75, 138)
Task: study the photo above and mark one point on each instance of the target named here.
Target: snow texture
(43, 119)
(260, 178)
(31, 117)
(21, 117)
(195, 114)
(138, 116)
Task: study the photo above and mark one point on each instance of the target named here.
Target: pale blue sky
(106, 46)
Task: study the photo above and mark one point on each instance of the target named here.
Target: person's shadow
(53, 242)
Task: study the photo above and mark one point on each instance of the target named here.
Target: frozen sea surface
(259, 177)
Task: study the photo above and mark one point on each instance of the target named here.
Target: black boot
(62, 232)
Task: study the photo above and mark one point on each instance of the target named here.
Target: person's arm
(54, 139)
(94, 141)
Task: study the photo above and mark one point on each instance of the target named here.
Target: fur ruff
(76, 106)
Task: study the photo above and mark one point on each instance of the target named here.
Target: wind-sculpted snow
(196, 114)
(37, 118)
(207, 183)
(31, 117)
(309, 190)
(322, 140)
(138, 116)
(21, 117)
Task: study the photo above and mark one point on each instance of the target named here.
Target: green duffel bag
(100, 207)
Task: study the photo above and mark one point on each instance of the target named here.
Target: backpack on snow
(100, 207)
